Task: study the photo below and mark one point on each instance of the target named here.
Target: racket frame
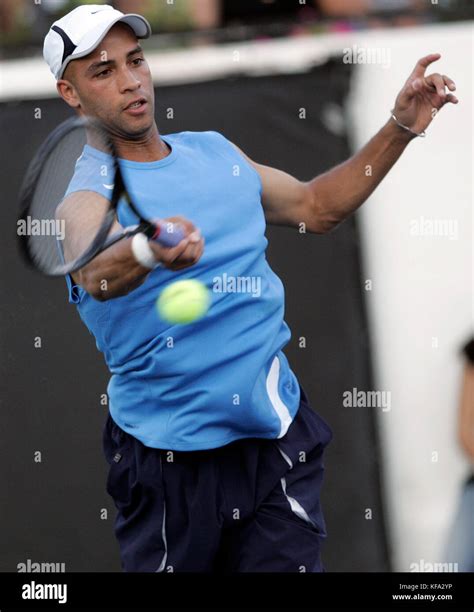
(102, 240)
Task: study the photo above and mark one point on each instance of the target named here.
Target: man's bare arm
(115, 272)
(327, 200)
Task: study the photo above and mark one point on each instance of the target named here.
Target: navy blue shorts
(250, 506)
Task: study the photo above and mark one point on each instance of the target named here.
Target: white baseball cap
(79, 32)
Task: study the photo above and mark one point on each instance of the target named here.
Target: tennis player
(216, 457)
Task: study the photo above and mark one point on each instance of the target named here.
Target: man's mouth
(136, 105)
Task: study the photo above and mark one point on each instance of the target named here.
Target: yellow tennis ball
(183, 302)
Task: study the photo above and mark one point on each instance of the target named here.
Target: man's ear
(68, 93)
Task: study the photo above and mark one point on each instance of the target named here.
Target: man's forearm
(340, 191)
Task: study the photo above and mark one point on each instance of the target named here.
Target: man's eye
(104, 73)
(138, 61)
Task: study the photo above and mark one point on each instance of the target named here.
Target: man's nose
(128, 81)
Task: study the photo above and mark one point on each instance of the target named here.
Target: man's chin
(137, 127)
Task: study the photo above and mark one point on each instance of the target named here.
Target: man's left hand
(423, 96)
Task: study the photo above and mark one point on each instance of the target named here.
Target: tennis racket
(72, 194)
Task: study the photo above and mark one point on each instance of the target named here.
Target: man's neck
(150, 148)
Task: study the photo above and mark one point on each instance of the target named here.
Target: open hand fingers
(423, 63)
(435, 83)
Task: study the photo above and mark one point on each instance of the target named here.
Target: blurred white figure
(460, 544)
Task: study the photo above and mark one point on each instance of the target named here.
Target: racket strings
(70, 199)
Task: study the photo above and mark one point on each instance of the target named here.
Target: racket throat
(152, 232)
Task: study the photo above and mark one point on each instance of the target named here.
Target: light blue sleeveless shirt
(224, 377)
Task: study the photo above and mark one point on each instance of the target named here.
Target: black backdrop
(50, 511)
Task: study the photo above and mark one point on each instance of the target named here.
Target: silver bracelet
(405, 127)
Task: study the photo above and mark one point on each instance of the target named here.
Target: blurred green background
(24, 23)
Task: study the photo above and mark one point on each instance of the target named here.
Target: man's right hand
(184, 255)
(115, 272)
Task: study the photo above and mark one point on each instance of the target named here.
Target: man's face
(114, 84)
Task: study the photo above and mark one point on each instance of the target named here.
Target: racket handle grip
(168, 234)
